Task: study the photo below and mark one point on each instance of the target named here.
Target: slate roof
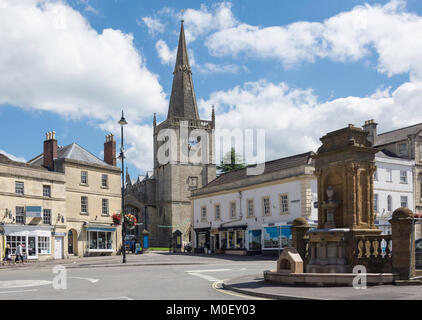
(397, 135)
(74, 152)
(270, 166)
(5, 160)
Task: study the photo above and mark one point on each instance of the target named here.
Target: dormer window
(402, 149)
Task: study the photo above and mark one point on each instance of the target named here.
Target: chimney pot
(50, 150)
(110, 150)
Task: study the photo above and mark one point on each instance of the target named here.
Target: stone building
(32, 209)
(92, 194)
(248, 214)
(405, 143)
(161, 201)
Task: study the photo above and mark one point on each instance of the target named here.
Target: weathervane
(183, 10)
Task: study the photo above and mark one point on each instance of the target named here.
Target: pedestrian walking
(7, 255)
(19, 254)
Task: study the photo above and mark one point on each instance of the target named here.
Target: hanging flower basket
(116, 219)
(130, 220)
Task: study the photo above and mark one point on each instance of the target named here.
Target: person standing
(19, 254)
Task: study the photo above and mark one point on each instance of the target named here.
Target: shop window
(14, 241)
(239, 239)
(43, 245)
(271, 237)
(254, 240)
(201, 240)
(100, 240)
(232, 240)
(223, 239)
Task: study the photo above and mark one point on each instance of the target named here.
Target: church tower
(192, 163)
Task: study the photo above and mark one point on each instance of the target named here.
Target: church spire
(182, 100)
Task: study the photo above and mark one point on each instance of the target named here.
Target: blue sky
(295, 68)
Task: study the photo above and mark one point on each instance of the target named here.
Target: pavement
(254, 285)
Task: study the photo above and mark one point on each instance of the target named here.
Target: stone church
(161, 200)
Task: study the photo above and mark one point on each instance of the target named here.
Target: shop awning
(25, 230)
(96, 227)
(239, 227)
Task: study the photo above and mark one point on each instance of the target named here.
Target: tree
(231, 161)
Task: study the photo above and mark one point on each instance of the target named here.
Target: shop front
(202, 240)
(35, 240)
(100, 239)
(232, 239)
(276, 238)
(254, 241)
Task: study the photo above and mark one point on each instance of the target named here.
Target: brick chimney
(50, 150)
(110, 150)
(370, 126)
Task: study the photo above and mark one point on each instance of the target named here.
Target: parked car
(418, 253)
(130, 242)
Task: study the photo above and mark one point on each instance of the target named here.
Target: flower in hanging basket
(130, 220)
(116, 218)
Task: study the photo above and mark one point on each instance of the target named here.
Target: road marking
(215, 270)
(16, 291)
(23, 283)
(115, 298)
(88, 279)
(216, 285)
(203, 276)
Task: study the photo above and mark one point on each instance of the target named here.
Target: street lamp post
(122, 123)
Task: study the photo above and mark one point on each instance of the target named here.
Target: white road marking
(203, 276)
(23, 283)
(115, 298)
(216, 285)
(16, 291)
(215, 270)
(88, 279)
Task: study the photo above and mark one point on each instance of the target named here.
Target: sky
(297, 69)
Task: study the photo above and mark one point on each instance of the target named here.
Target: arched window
(389, 203)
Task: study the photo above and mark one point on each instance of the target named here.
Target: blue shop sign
(34, 211)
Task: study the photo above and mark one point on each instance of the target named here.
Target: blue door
(145, 242)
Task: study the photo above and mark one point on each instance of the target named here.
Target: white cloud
(208, 68)
(52, 59)
(166, 55)
(348, 36)
(12, 157)
(154, 25)
(294, 119)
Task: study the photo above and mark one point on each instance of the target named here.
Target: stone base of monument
(327, 279)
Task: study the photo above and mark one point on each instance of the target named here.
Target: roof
(384, 153)
(74, 152)
(397, 135)
(182, 101)
(270, 166)
(5, 160)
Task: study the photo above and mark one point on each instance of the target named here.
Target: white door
(58, 248)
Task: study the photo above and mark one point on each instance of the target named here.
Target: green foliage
(231, 161)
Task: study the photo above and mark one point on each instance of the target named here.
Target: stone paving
(255, 285)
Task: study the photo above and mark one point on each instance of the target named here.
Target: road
(159, 276)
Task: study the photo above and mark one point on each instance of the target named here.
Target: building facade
(92, 193)
(242, 214)
(161, 201)
(32, 209)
